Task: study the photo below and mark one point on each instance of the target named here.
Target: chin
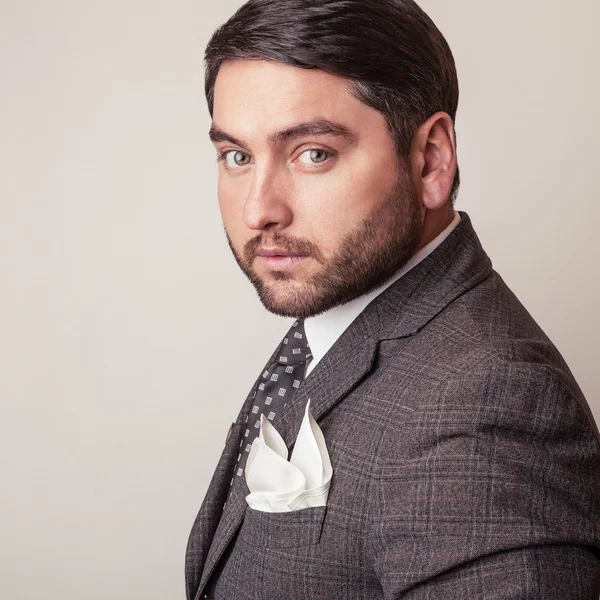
(286, 300)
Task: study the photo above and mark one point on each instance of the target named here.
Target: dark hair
(395, 58)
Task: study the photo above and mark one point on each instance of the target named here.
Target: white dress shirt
(323, 330)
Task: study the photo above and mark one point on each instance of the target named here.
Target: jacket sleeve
(491, 491)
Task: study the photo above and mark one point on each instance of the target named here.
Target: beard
(378, 247)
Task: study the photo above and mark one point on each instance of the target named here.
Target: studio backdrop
(120, 296)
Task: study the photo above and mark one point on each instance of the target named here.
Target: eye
(316, 156)
(224, 156)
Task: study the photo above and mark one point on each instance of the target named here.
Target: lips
(276, 259)
(277, 252)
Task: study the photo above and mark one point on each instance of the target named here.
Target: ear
(433, 160)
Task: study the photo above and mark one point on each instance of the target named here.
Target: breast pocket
(283, 530)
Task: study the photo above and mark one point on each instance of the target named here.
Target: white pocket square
(279, 485)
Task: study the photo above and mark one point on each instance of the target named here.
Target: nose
(267, 205)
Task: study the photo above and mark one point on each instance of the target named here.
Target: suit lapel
(346, 363)
(209, 530)
(231, 518)
(210, 512)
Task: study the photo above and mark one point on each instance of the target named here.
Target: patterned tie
(279, 381)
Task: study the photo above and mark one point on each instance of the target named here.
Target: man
(466, 461)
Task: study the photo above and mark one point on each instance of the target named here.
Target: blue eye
(314, 153)
(224, 156)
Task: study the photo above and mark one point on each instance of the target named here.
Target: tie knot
(294, 349)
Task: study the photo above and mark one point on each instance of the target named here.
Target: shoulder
(483, 352)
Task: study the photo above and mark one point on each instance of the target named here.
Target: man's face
(341, 206)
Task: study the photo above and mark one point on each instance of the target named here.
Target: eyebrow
(315, 127)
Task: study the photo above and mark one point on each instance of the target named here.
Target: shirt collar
(324, 329)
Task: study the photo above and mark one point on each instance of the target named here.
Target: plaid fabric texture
(466, 459)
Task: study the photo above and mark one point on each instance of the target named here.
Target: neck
(434, 223)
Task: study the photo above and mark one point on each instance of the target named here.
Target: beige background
(119, 294)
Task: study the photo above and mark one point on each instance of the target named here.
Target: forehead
(253, 97)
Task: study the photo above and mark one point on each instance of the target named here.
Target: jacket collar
(458, 264)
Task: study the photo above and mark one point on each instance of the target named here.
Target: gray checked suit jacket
(466, 461)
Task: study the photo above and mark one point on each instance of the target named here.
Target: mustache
(248, 254)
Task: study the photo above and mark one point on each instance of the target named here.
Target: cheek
(336, 208)
(330, 222)
(230, 211)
